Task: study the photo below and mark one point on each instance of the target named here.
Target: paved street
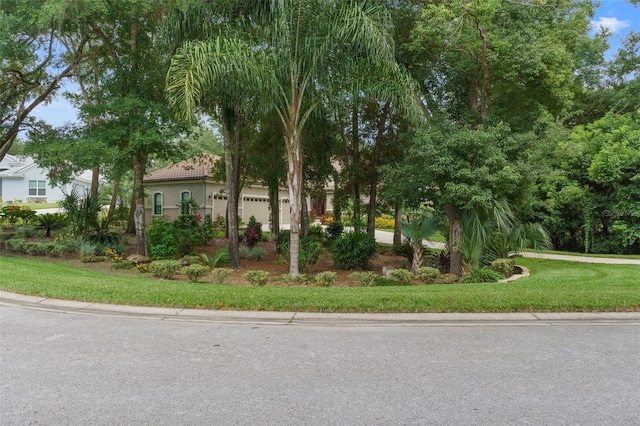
(70, 366)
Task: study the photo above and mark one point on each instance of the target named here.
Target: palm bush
(51, 221)
(416, 230)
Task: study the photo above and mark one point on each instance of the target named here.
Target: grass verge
(553, 286)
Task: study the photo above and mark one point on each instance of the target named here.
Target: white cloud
(613, 24)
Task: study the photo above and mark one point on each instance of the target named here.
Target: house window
(184, 207)
(157, 204)
(37, 188)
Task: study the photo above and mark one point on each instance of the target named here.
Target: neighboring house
(22, 180)
(192, 178)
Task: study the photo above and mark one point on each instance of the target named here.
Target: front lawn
(553, 286)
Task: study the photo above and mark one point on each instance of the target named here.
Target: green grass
(611, 256)
(34, 206)
(553, 286)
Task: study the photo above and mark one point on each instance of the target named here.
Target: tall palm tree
(295, 56)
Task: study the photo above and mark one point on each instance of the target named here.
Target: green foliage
(259, 278)
(334, 230)
(309, 254)
(416, 230)
(100, 233)
(51, 221)
(87, 249)
(504, 266)
(401, 276)
(195, 272)
(303, 279)
(82, 210)
(164, 268)
(220, 275)
(353, 250)
(16, 215)
(208, 230)
(364, 279)
(481, 274)
(252, 253)
(161, 239)
(316, 232)
(427, 275)
(326, 278)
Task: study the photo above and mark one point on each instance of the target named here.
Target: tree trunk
(114, 197)
(304, 216)
(274, 201)
(95, 181)
(397, 227)
(455, 239)
(232, 194)
(377, 151)
(138, 190)
(131, 224)
(355, 179)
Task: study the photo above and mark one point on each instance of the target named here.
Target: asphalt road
(68, 368)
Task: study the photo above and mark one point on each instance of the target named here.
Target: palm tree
(295, 56)
(417, 230)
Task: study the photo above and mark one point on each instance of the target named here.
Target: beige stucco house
(192, 178)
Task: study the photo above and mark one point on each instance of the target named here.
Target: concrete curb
(316, 319)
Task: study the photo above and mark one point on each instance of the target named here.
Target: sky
(619, 16)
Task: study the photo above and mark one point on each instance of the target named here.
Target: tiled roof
(194, 168)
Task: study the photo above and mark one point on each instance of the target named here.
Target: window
(157, 204)
(185, 208)
(37, 188)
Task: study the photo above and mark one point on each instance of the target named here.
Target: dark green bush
(195, 272)
(334, 230)
(353, 250)
(161, 240)
(427, 275)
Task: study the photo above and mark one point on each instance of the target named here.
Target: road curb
(313, 318)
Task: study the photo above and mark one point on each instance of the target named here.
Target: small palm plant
(416, 230)
(51, 221)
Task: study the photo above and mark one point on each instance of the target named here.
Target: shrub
(220, 275)
(353, 250)
(326, 278)
(504, 266)
(100, 233)
(334, 230)
(296, 279)
(364, 279)
(481, 274)
(253, 233)
(309, 253)
(257, 277)
(427, 275)
(220, 259)
(208, 230)
(87, 249)
(51, 221)
(252, 253)
(16, 244)
(142, 267)
(113, 255)
(161, 240)
(384, 223)
(401, 276)
(316, 232)
(195, 272)
(122, 265)
(164, 268)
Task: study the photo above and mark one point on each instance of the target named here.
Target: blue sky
(619, 16)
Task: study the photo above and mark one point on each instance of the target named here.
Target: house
(192, 178)
(22, 180)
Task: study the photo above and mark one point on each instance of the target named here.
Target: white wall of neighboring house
(20, 171)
